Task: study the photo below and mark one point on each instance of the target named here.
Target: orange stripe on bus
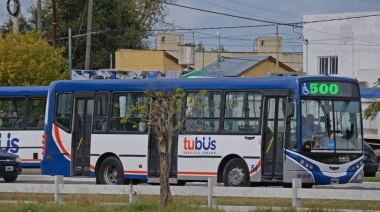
(58, 137)
(197, 173)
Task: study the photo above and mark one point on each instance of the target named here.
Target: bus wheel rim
(110, 174)
(236, 176)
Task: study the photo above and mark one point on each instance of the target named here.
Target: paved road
(34, 176)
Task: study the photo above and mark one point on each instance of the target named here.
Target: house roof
(233, 66)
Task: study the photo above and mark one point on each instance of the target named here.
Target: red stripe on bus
(197, 173)
(37, 160)
(58, 137)
(258, 166)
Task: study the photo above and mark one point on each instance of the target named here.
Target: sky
(241, 21)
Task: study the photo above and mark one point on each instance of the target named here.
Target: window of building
(328, 65)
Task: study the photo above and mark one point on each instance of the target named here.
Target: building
(166, 55)
(345, 44)
(254, 66)
(268, 44)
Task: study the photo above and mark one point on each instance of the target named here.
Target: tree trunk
(165, 193)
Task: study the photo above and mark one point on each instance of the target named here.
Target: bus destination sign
(329, 89)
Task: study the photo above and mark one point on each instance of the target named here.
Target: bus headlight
(353, 167)
(357, 165)
(302, 161)
(311, 166)
(307, 165)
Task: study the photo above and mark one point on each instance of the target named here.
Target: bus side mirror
(289, 109)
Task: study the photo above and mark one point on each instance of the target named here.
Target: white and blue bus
(22, 112)
(250, 131)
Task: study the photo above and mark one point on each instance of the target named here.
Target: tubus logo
(11, 145)
(199, 144)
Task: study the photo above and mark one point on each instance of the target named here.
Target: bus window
(242, 112)
(124, 117)
(292, 141)
(63, 110)
(12, 111)
(36, 112)
(101, 115)
(203, 112)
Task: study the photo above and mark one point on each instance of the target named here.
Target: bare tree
(162, 111)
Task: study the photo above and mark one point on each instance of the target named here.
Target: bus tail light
(43, 144)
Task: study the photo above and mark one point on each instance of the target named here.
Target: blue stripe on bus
(135, 176)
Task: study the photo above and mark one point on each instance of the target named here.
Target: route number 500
(323, 88)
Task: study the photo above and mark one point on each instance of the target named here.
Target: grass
(371, 179)
(88, 203)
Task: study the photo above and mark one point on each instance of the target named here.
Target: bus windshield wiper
(344, 108)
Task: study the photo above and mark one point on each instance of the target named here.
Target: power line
(265, 8)
(339, 19)
(225, 14)
(234, 10)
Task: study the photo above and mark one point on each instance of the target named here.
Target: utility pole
(16, 24)
(39, 17)
(218, 68)
(306, 42)
(70, 57)
(54, 26)
(89, 30)
(277, 48)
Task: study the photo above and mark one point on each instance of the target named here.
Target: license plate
(9, 168)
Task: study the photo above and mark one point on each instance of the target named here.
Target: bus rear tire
(236, 173)
(111, 171)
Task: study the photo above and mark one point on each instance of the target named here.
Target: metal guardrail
(212, 191)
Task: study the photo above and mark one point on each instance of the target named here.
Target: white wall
(355, 41)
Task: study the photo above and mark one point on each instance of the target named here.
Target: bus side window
(63, 110)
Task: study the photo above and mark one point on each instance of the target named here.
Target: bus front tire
(111, 172)
(236, 173)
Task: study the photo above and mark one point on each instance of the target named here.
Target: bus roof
(23, 90)
(191, 83)
(370, 93)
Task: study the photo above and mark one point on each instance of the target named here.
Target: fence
(212, 191)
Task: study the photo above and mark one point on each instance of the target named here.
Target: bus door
(273, 134)
(81, 140)
(154, 157)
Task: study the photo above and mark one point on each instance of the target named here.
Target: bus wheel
(236, 173)
(111, 172)
(10, 179)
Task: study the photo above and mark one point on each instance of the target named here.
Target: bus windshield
(331, 125)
